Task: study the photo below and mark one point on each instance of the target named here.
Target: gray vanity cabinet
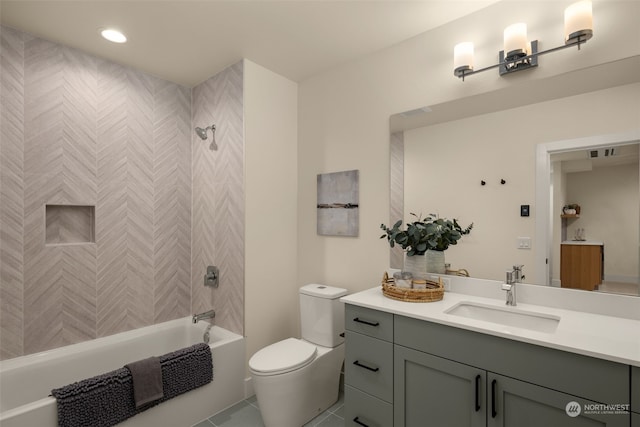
(406, 372)
(432, 391)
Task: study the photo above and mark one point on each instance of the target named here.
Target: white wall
(608, 199)
(343, 116)
(271, 289)
(445, 163)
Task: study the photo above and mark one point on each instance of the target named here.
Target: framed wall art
(338, 210)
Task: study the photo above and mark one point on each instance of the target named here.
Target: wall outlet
(524, 243)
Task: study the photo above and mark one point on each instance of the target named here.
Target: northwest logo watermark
(574, 409)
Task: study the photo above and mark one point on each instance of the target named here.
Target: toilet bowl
(297, 379)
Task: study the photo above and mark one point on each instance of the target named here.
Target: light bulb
(113, 35)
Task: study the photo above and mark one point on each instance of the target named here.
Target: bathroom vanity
(455, 363)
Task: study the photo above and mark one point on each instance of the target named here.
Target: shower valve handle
(211, 278)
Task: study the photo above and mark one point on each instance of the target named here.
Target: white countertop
(583, 242)
(605, 337)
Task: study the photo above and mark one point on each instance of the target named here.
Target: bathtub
(26, 382)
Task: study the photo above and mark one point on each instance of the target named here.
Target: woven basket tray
(433, 292)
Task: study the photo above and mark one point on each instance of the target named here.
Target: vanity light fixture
(113, 35)
(520, 54)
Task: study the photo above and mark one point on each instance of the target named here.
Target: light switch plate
(524, 243)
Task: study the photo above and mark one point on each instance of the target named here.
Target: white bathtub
(26, 382)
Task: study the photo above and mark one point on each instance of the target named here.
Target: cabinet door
(635, 420)
(430, 391)
(514, 403)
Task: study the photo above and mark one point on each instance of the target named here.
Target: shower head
(202, 133)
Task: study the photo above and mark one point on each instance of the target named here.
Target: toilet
(297, 379)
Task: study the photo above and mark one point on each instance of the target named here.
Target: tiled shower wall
(218, 210)
(79, 130)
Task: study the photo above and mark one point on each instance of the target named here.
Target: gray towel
(146, 375)
(107, 399)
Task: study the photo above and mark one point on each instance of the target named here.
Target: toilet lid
(284, 356)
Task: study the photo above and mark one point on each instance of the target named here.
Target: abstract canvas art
(338, 195)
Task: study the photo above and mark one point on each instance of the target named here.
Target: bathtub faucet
(211, 314)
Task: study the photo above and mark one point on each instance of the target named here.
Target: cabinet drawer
(635, 389)
(368, 365)
(587, 377)
(373, 323)
(362, 409)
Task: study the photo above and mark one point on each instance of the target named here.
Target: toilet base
(294, 398)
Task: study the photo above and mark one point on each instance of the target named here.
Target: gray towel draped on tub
(108, 399)
(146, 375)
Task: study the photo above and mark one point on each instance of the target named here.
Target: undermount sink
(506, 316)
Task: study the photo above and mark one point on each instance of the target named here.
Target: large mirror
(529, 154)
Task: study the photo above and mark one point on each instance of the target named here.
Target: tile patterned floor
(247, 414)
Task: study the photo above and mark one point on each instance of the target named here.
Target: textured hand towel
(147, 380)
(107, 399)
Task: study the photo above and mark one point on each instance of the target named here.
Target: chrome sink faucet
(211, 314)
(514, 276)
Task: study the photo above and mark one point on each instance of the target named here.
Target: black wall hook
(503, 182)
(482, 182)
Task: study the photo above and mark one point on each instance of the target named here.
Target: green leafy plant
(423, 234)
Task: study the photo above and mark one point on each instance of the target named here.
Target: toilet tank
(322, 314)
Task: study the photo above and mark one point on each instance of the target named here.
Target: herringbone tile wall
(78, 130)
(218, 210)
(11, 192)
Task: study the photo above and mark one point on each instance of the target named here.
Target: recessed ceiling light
(113, 35)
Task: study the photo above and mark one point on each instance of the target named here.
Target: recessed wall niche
(69, 224)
